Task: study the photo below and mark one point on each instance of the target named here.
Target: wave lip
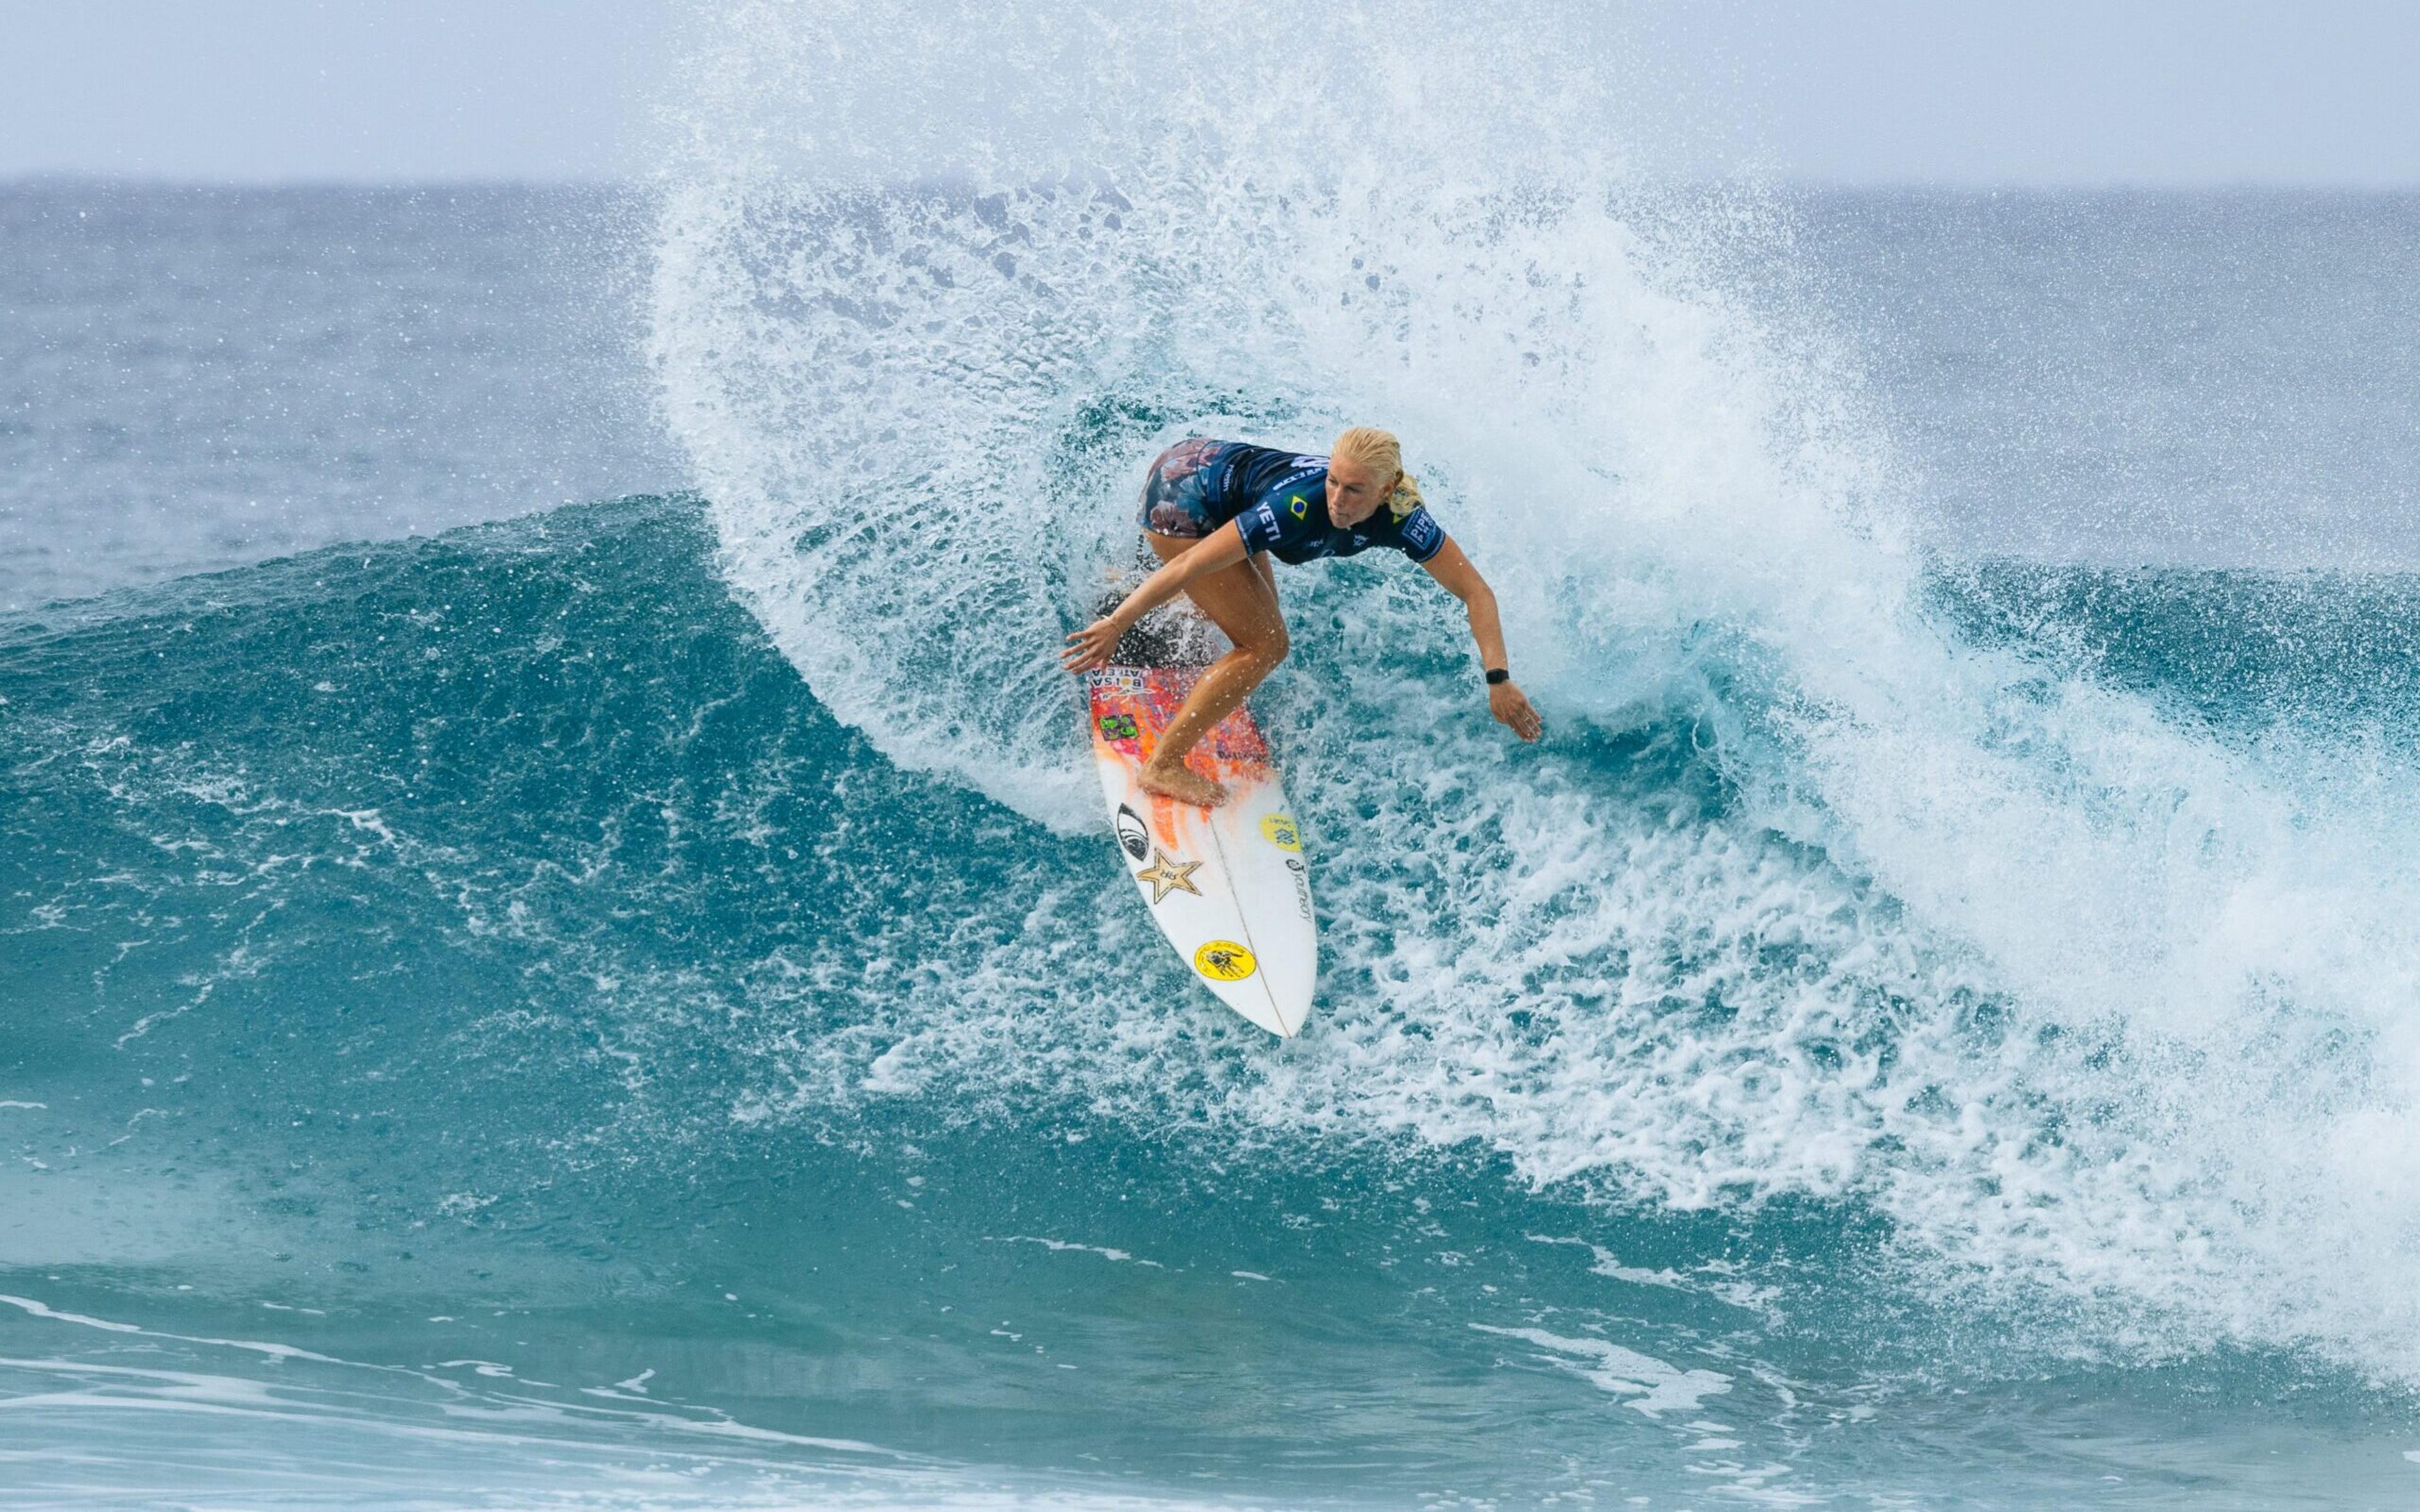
(533, 820)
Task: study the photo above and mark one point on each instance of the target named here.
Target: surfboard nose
(1229, 886)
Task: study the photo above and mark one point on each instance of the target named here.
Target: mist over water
(631, 1007)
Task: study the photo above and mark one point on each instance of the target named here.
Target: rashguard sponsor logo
(1421, 532)
(1307, 480)
(1258, 526)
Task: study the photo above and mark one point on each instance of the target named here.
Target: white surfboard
(1230, 885)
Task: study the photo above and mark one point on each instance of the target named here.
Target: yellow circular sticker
(1279, 830)
(1224, 961)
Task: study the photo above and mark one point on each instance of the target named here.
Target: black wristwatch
(1499, 674)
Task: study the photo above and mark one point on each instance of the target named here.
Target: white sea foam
(1649, 1384)
(1063, 1246)
(2076, 996)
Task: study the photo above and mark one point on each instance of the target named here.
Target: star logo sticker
(1168, 875)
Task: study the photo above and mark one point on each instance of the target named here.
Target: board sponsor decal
(1280, 831)
(1134, 836)
(1300, 874)
(1224, 961)
(1166, 874)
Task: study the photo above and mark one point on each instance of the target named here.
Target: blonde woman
(1215, 512)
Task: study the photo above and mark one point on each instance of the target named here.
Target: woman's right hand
(1093, 645)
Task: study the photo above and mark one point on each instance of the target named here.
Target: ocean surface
(193, 379)
(556, 951)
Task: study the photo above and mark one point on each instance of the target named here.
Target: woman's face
(1355, 490)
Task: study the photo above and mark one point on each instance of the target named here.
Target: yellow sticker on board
(1279, 830)
(1224, 961)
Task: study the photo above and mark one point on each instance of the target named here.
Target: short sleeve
(1258, 526)
(1423, 536)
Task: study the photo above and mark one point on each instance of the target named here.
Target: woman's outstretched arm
(1505, 701)
(1093, 645)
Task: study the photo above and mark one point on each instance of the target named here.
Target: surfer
(1215, 512)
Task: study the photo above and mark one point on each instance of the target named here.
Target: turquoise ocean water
(626, 1003)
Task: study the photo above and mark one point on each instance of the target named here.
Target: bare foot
(1185, 785)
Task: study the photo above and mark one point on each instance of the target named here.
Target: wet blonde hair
(1378, 451)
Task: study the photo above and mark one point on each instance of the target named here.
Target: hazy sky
(281, 89)
(1955, 91)
(2080, 91)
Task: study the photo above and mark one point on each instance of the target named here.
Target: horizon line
(51, 178)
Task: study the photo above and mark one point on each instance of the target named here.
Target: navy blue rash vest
(1279, 501)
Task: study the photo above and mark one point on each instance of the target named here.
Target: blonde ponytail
(1382, 453)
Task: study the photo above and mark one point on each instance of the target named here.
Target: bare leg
(1242, 601)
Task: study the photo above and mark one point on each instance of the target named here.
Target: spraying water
(2075, 991)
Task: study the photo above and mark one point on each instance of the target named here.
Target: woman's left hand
(1092, 646)
(1511, 709)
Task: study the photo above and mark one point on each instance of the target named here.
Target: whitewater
(629, 1005)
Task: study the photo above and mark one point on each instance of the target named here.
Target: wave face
(476, 1020)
